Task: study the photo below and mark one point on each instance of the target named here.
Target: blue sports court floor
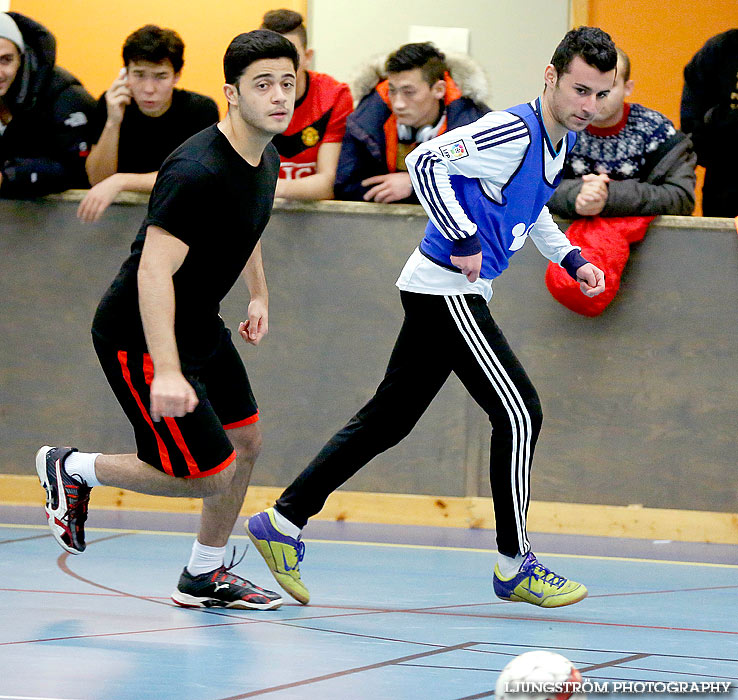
(397, 613)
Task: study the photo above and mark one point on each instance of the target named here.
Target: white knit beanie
(9, 30)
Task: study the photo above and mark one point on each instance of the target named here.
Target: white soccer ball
(539, 675)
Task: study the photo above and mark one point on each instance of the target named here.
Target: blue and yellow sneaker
(281, 553)
(537, 585)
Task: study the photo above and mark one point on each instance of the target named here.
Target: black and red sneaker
(222, 589)
(66, 498)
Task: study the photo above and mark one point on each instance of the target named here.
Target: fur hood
(466, 73)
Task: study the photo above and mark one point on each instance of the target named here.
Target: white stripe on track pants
(440, 335)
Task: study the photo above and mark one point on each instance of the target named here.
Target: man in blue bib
(484, 187)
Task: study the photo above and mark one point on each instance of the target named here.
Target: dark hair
(254, 46)
(425, 56)
(285, 22)
(154, 44)
(626, 64)
(591, 44)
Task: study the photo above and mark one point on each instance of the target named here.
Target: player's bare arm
(162, 256)
(256, 326)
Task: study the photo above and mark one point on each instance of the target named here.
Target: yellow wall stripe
(438, 511)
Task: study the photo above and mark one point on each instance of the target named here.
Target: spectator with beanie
(44, 114)
(406, 100)
(141, 119)
(309, 149)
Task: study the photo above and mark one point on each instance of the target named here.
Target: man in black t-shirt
(141, 119)
(162, 345)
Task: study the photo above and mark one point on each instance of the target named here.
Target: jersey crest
(291, 145)
(310, 136)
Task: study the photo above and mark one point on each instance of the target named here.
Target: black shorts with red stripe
(197, 444)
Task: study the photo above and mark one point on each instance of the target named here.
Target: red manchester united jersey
(320, 117)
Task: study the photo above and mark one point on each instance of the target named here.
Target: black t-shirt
(146, 141)
(210, 198)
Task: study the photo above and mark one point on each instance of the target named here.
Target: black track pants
(440, 335)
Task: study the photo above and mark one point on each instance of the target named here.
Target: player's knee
(213, 484)
(535, 411)
(530, 413)
(247, 442)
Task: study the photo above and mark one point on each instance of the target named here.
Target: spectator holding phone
(141, 119)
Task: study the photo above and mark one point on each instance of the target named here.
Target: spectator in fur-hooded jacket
(414, 95)
(44, 114)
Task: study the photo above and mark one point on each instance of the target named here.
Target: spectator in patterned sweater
(630, 161)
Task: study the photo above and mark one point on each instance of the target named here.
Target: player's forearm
(103, 159)
(254, 277)
(156, 305)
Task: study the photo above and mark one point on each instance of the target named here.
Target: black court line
(567, 650)
(25, 539)
(348, 672)
(616, 662)
(124, 634)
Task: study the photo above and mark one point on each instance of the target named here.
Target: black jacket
(45, 144)
(709, 112)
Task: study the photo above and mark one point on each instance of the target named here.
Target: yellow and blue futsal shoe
(537, 585)
(281, 553)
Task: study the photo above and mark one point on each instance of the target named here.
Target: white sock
(286, 527)
(509, 566)
(82, 466)
(205, 559)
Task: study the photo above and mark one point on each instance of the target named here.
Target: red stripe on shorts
(179, 439)
(163, 453)
(214, 470)
(148, 370)
(241, 423)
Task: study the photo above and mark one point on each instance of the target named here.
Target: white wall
(513, 40)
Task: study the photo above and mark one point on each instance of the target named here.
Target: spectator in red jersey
(310, 146)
